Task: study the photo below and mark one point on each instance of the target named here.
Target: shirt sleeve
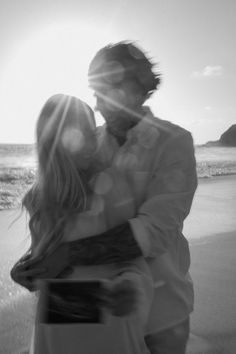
(168, 198)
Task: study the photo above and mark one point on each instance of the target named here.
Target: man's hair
(121, 62)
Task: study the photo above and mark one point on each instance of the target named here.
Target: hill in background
(228, 138)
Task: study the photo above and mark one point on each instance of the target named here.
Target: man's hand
(122, 297)
(27, 270)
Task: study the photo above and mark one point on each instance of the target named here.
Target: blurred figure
(69, 193)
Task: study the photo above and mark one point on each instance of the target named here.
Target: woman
(70, 185)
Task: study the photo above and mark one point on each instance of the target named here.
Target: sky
(46, 47)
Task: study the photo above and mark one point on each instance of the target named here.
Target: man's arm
(113, 246)
(159, 223)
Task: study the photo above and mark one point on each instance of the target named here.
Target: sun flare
(53, 60)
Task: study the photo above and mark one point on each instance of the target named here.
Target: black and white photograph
(117, 177)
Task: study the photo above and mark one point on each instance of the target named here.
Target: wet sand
(213, 272)
(211, 230)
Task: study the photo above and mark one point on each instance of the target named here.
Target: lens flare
(73, 140)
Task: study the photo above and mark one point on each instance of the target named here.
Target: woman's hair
(120, 62)
(60, 188)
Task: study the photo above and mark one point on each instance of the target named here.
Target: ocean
(18, 165)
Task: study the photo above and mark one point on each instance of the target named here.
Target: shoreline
(213, 209)
(15, 181)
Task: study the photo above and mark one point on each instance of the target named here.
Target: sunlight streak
(52, 60)
(59, 129)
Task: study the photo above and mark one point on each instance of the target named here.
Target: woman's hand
(23, 272)
(27, 270)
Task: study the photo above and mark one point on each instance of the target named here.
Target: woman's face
(79, 137)
(88, 146)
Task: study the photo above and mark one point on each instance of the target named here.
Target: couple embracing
(108, 260)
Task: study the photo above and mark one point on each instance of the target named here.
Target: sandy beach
(211, 231)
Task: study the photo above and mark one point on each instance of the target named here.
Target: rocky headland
(228, 138)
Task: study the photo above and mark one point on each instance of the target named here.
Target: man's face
(118, 104)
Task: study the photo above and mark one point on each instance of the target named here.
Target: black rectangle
(64, 301)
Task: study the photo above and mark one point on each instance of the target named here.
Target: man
(157, 158)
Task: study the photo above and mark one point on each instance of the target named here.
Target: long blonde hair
(60, 188)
